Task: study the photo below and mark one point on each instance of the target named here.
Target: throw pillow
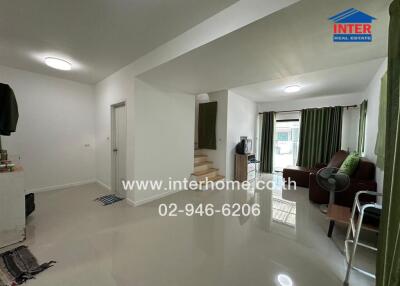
(350, 164)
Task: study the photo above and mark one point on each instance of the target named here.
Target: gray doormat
(19, 265)
(109, 199)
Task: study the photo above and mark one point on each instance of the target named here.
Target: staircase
(204, 169)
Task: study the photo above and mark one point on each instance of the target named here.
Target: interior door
(207, 126)
(119, 149)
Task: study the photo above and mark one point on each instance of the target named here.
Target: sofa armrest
(315, 193)
(361, 185)
(319, 166)
(346, 198)
(364, 185)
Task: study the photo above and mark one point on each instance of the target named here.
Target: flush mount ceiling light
(58, 64)
(292, 89)
(284, 280)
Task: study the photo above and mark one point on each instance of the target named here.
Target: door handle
(115, 150)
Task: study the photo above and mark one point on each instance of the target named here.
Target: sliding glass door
(286, 143)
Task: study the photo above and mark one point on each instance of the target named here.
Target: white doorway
(118, 148)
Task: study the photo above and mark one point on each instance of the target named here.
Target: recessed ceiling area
(98, 37)
(334, 81)
(293, 41)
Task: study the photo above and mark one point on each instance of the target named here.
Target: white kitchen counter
(12, 207)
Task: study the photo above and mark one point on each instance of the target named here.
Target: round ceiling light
(292, 89)
(58, 64)
(284, 280)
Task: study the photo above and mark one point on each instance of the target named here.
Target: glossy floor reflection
(122, 245)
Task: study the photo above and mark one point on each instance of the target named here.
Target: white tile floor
(123, 245)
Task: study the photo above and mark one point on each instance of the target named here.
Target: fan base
(323, 208)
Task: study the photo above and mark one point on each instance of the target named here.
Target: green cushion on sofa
(350, 164)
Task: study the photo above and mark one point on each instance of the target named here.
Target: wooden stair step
(202, 166)
(205, 172)
(202, 163)
(200, 158)
(216, 178)
(208, 173)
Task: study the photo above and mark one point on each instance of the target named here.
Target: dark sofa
(301, 174)
(362, 179)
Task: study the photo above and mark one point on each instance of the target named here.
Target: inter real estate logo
(352, 25)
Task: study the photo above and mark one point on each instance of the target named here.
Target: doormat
(108, 200)
(19, 265)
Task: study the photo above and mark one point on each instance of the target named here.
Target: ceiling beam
(228, 20)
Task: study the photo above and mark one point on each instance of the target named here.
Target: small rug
(108, 200)
(19, 265)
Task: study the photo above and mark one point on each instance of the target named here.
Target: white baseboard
(130, 202)
(150, 199)
(104, 185)
(59, 187)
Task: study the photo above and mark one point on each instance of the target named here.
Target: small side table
(338, 214)
(12, 207)
(343, 215)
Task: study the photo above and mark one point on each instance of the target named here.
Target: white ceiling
(294, 41)
(97, 36)
(338, 80)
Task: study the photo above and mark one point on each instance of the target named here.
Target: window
(282, 136)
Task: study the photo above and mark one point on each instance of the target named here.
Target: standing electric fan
(333, 181)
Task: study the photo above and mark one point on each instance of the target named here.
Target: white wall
(117, 88)
(163, 146)
(241, 121)
(372, 94)
(55, 132)
(160, 128)
(218, 156)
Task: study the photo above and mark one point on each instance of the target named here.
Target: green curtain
(380, 139)
(267, 142)
(320, 135)
(361, 127)
(207, 126)
(388, 262)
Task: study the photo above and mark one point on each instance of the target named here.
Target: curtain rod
(298, 110)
